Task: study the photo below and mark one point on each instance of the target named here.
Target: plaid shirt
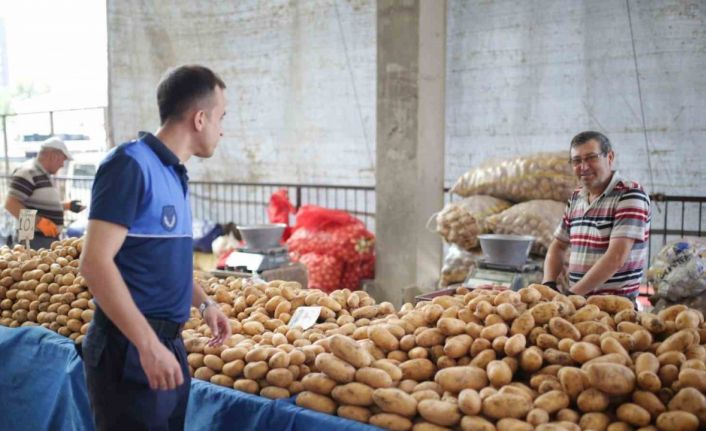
(621, 211)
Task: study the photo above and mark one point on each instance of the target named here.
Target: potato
(318, 383)
(649, 381)
(567, 415)
(439, 412)
(531, 359)
(499, 406)
(356, 413)
(213, 362)
(544, 312)
(582, 352)
(417, 369)
(476, 423)
(594, 421)
(457, 346)
(255, 370)
(425, 394)
(280, 377)
(234, 368)
(552, 401)
(562, 328)
(613, 379)
(691, 377)
(455, 379)
(678, 341)
(204, 373)
(592, 400)
(633, 414)
(318, 402)
(350, 351)
(483, 358)
(499, 373)
(522, 324)
(429, 337)
(515, 345)
(572, 381)
(274, 393)
(511, 424)
(469, 402)
(397, 401)
(677, 421)
(389, 367)
(493, 331)
(355, 394)
(650, 402)
(391, 422)
(373, 377)
(383, 338)
(222, 380)
(688, 319)
(337, 369)
(450, 326)
(557, 357)
(611, 304)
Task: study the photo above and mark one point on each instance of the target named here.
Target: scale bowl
(511, 250)
(262, 236)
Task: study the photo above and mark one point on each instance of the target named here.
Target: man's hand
(76, 206)
(161, 367)
(47, 227)
(219, 324)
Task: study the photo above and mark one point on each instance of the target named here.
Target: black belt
(163, 328)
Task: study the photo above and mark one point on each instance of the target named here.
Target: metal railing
(673, 217)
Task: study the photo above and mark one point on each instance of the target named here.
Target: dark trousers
(118, 389)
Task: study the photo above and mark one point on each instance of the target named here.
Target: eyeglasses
(589, 159)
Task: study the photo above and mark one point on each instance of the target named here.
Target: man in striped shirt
(606, 225)
(31, 187)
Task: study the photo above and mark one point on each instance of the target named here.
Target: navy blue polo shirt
(141, 185)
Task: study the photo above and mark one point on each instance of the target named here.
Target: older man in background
(32, 187)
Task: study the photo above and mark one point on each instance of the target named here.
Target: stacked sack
(336, 248)
(538, 184)
(678, 274)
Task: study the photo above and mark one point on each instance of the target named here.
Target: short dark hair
(599, 137)
(182, 87)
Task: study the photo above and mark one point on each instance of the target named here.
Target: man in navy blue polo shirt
(137, 261)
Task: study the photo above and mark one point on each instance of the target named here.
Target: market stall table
(42, 387)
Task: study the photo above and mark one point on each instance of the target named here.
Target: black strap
(163, 328)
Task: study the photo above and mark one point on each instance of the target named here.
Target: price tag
(304, 317)
(25, 230)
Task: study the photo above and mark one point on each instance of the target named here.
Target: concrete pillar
(411, 48)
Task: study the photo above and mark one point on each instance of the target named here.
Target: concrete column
(411, 48)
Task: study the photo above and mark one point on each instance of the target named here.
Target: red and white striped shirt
(621, 211)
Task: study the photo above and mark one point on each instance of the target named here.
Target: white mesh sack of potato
(461, 222)
(457, 264)
(538, 218)
(523, 178)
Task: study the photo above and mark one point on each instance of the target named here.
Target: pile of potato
(44, 288)
(522, 178)
(478, 360)
(461, 222)
(264, 356)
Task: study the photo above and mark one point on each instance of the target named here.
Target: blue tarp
(42, 387)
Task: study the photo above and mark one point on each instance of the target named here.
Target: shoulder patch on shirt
(169, 217)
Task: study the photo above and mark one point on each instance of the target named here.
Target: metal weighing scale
(257, 260)
(263, 250)
(505, 263)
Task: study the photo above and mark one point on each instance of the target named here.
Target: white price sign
(304, 317)
(26, 225)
